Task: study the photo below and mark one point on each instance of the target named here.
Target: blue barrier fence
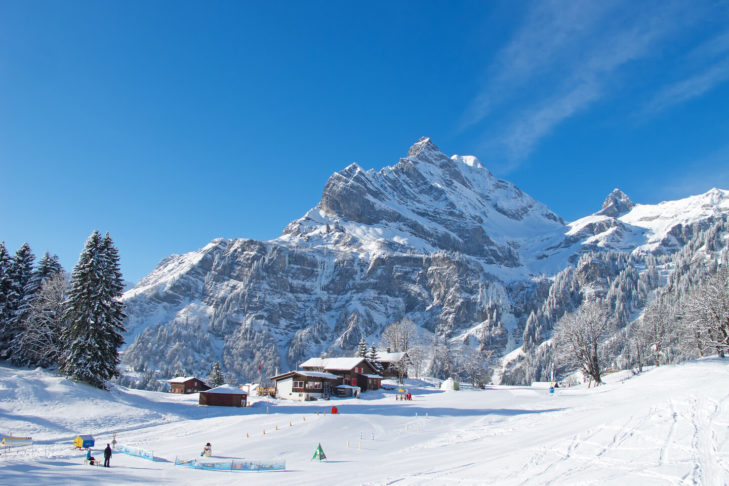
(135, 451)
(232, 465)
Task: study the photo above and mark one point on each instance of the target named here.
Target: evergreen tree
(5, 313)
(94, 315)
(48, 266)
(373, 353)
(114, 288)
(215, 378)
(25, 280)
(362, 350)
(21, 289)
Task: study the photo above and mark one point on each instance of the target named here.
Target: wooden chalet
(393, 365)
(187, 384)
(305, 385)
(224, 396)
(353, 371)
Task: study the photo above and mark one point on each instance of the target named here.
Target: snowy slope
(666, 426)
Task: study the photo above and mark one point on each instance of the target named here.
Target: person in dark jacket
(107, 455)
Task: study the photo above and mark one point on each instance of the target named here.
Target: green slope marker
(319, 454)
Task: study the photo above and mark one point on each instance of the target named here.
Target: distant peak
(422, 146)
(616, 204)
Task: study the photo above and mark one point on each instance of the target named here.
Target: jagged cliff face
(427, 202)
(434, 238)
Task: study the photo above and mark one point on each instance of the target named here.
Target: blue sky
(171, 123)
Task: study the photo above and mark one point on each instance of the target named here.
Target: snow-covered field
(669, 425)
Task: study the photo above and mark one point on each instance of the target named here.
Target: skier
(107, 455)
(89, 457)
(207, 450)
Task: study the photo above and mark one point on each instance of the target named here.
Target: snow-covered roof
(317, 374)
(372, 376)
(183, 379)
(229, 389)
(332, 363)
(310, 374)
(389, 357)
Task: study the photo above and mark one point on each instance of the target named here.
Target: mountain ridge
(432, 238)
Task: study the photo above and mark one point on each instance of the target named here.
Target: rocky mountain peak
(424, 144)
(424, 150)
(616, 204)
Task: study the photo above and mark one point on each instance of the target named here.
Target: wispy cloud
(564, 58)
(543, 41)
(711, 60)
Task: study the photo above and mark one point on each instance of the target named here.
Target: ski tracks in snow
(708, 440)
(685, 438)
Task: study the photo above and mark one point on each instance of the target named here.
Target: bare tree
(654, 330)
(578, 335)
(416, 357)
(473, 365)
(442, 364)
(400, 335)
(707, 312)
(39, 342)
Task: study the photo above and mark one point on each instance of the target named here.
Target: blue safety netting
(135, 451)
(232, 465)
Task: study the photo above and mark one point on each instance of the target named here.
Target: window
(316, 385)
(298, 384)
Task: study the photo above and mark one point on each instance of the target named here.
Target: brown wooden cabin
(353, 371)
(393, 364)
(187, 384)
(224, 396)
(306, 385)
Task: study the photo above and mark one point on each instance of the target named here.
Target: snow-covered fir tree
(25, 280)
(21, 289)
(215, 378)
(94, 314)
(5, 311)
(48, 266)
(373, 353)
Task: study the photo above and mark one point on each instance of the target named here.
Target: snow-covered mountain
(433, 238)
(426, 202)
(660, 228)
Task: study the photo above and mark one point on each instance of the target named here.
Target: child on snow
(207, 450)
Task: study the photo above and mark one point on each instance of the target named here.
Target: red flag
(259, 366)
